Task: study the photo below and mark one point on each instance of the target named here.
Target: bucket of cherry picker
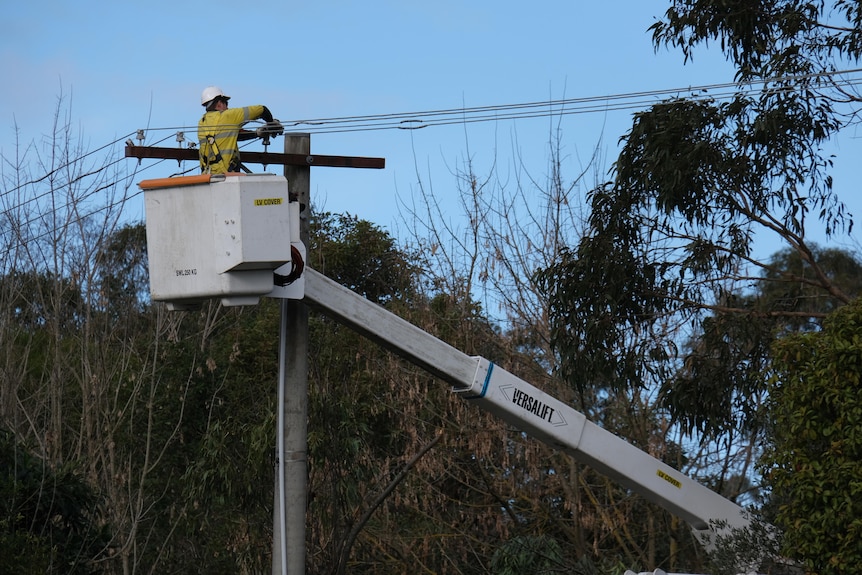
(217, 237)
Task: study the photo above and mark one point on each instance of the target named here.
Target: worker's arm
(272, 128)
(258, 112)
(246, 135)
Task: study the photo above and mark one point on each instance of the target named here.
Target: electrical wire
(72, 181)
(125, 182)
(587, 105)
(65, 165)
(469, 115)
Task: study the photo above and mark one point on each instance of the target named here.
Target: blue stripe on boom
(487, 379)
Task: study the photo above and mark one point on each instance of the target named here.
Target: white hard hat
(210, 93)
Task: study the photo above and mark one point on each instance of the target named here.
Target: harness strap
(212, 155)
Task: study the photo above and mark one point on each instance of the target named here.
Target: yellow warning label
(269, 201)
(675, 482)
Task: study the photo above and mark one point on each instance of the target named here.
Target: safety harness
(210, 154)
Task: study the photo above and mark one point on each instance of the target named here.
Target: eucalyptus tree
(667, 293)
(669, 256)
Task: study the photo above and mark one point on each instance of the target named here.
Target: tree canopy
(814, 463)
(154, 431)
(698, 181)
(689, 309)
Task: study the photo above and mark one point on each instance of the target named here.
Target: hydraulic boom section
(531, 410)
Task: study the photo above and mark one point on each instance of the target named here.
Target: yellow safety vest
(217, 138)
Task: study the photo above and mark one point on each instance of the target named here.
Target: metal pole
(291, 482)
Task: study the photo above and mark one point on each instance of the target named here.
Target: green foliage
(49, 519)
(172, 416)
(38, 299)
(220, 474)
(722, 373)
(787, 46)
(527, 555)
(753, 549)
(22, 552)
(591, 328)
(814, 463)
(122, 271)
(791, 285)
(727, 364)
(753, 35)
(361, 256)
(668, 250)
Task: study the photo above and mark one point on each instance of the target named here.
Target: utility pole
(291, 476)
(291, 485)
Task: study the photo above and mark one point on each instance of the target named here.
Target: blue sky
(126, 66)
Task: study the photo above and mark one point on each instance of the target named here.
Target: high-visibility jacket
(217, 138)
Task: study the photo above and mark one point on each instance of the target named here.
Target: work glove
(273, 128)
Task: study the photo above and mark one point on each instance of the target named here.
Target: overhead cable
(491, 113)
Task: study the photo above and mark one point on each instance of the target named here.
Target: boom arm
(536, 413)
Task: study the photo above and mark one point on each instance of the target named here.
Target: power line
(468, 115)
(74, 180)
(64, 166)
(562, 107)
(568, 106)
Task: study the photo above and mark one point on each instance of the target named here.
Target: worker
(221, 128)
